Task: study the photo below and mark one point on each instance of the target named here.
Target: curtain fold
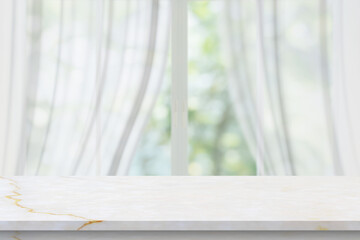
(94, 69)
(12, 88)
(263, 83)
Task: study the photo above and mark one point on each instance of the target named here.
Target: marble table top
(179, 203)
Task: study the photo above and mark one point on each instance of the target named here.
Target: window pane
(216, 143)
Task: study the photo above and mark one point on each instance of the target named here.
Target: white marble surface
(179, 203)
(181, 235)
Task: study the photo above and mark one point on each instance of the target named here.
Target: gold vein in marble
(321, 228)
(16, 200)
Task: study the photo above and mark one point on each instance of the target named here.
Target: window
(165, 87)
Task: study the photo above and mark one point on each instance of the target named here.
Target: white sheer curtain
(288, 85)
(80, 84)
(79, 78)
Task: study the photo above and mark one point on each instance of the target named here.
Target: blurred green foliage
(215, 141)
(216, 146)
